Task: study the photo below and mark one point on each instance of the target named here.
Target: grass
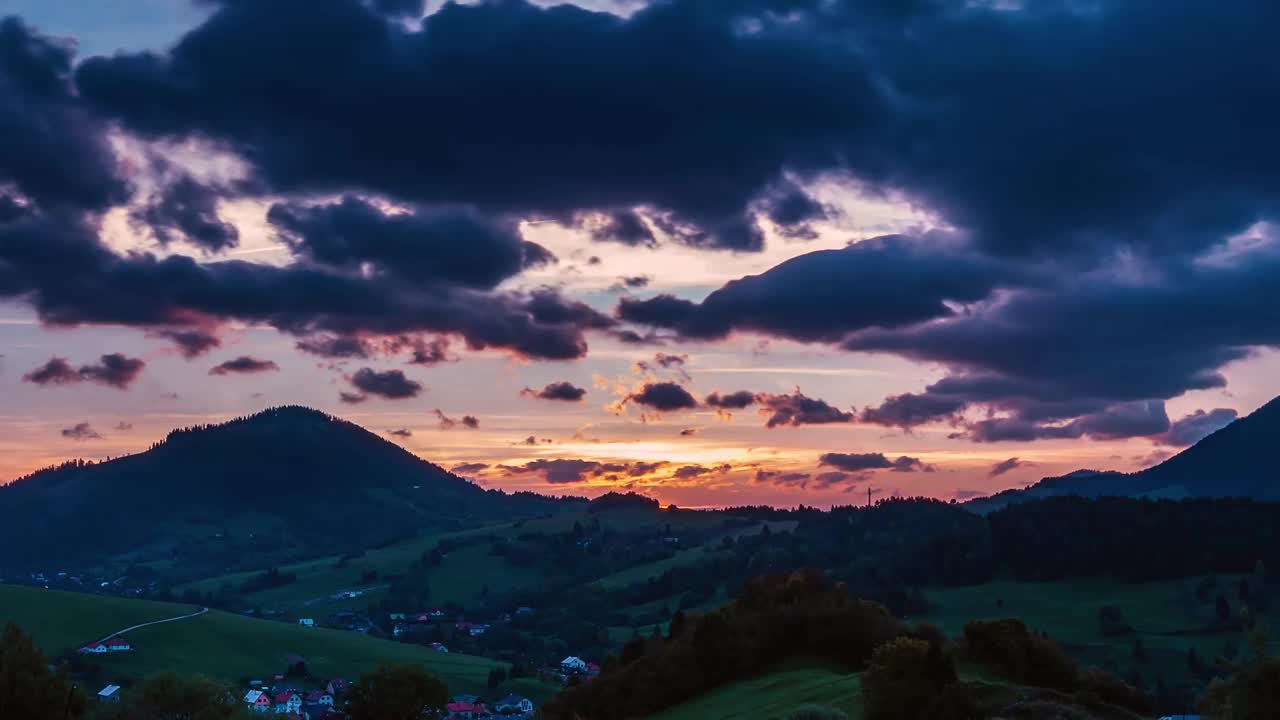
(774, 695)
(222, 645)
(466, 573)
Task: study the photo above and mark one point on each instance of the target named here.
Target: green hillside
(466, 573)
(222, 645)
(774, 695)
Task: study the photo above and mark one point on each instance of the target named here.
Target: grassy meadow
(223, 645)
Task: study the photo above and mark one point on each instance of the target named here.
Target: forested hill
(1237, 461)
(286, 482)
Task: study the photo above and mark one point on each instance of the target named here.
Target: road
(118, 633)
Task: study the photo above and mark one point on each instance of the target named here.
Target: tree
(397, 692)
(903, 681)
(28, 689)
(1222, 607)
(170, 696)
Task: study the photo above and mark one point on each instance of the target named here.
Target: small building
(307, 622)
(109, 694)
(258, 701)
(573, 664)
(513, 704)
(118, 644)
(94, 648)
(287, 702)
(438, 647)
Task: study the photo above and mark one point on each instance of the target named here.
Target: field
(226, 646)
(465, 574)
(1167, 619)
(774, 695)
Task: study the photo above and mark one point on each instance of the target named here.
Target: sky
(719, 252)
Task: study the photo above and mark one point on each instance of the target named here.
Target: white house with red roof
(116, 644)
(287, 702)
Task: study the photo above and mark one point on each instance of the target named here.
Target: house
(524, 610)
(307, 622)
(107, 646)
(573, 664)
(397, 616)
(465, 710)
(110, 693)
(287, 702)
(438, 647)
(472, 629)
(258, 701)
(319, 697)
(513, 704)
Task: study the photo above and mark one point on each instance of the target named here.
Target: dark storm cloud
(1004, 466)
(796, 409)
(81, 431)
(428, 245)
(1197, 426)
(686, 472)
(664, 396)
(888, 281)
(192, 342)
(187, 209)
(244, 365)
(335, 346)
(390, 384)
(399, 112)
(564, 391)
(731, 401)
(859, 462)
(114, 369)
(626, 227)
(51, 149)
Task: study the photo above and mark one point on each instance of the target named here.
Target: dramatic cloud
(785, 479)
(187, 209)
(796, 409)
(825, 295)
(564, 391)
(389, 384)
(244, 365)
(1005, 466)
(81, 431)
(428, 245)
(559, 470)
(664, 397)
(731, 401)
(467, 468)
(448, 423)
(192, 343)
(686, 472)
(114, 370)
(352, 398)
(401, 433)
(859, 462)
(336, 346)
(1197, 426)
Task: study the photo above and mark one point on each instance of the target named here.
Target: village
(294, 695)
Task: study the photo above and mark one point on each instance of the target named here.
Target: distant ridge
(1237, 461)
(283, 483)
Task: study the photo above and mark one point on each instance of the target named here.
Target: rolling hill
(222, 645)
(283, 484)
(1232, 462)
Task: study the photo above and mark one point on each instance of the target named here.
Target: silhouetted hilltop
(285, 482)
(1235, 461)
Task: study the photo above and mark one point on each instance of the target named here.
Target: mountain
(285, 483)
(1235, 461)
